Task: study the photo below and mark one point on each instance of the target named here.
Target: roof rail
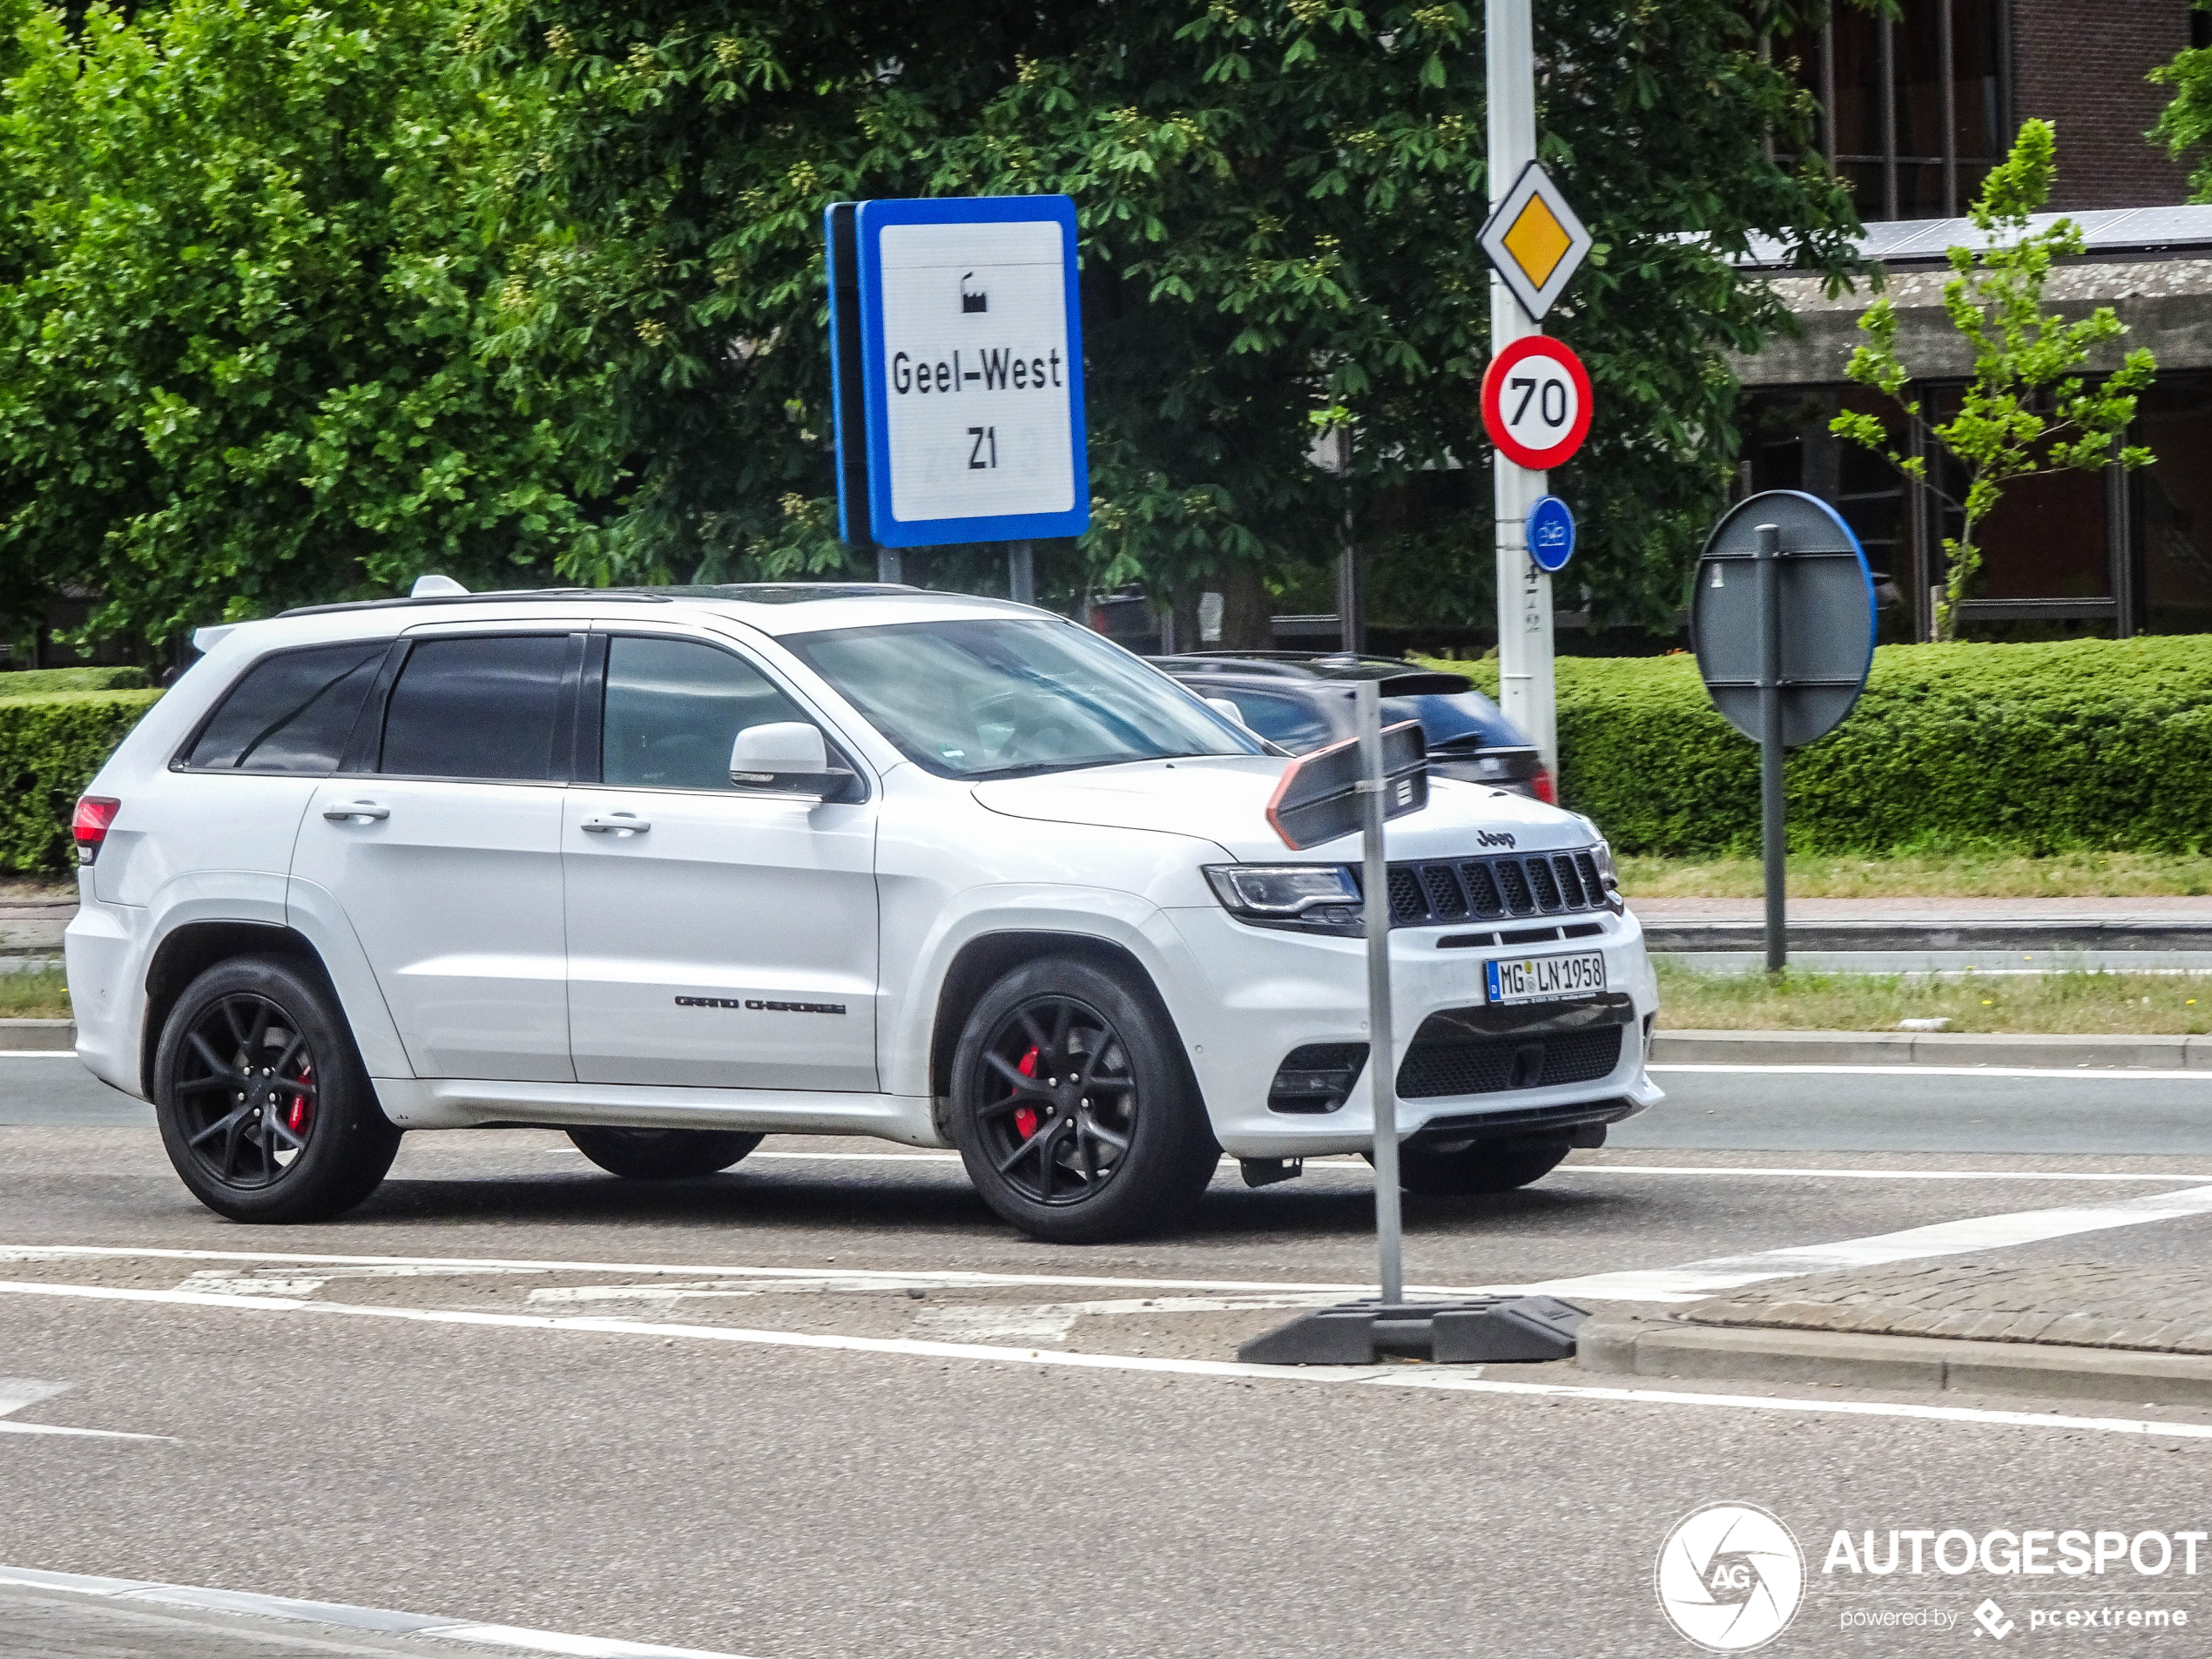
(749, 592)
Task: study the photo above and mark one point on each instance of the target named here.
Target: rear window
(1464, 719)
(479, 707)
(290, 713)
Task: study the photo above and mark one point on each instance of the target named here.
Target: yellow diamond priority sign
(1535, 241)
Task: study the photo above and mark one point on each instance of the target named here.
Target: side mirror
(1229, 712)
(787, 757)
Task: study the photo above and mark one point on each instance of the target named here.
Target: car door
(717, 936)
(441, 848)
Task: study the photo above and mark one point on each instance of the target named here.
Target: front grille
(1440, 1061)
(1436, 890)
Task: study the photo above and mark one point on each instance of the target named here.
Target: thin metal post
(1022, 572)
(1382, 1082)
(1772, 829)
(889, 566)
(1525, 689)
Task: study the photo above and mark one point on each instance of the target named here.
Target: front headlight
(1322, 897)
(1601, 855)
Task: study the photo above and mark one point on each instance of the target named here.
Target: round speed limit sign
(1537, 402)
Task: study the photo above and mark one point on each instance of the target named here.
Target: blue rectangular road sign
(971, 384)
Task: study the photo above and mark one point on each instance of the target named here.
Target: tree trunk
(1247, 613)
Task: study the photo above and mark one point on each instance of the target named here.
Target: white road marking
(340, 1616)
(1944, 1238)
(1876, 1175)
(1053, 1321)
(261, 1282)
(2101, 1074)
(38, 1054)
(928, 1279)
(16, 1393)
(1440, 1377)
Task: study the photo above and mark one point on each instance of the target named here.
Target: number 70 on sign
(1537, 402)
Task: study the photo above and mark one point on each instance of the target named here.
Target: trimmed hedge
(49, 747)
(2091, 743)
(46, 682)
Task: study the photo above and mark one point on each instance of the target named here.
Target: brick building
(1915, 110)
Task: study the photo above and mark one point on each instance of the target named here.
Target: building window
(1916, 108)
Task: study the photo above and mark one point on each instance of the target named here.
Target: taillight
(90, 824)
(1546, 790)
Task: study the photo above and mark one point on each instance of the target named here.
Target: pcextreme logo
(1730, 1577)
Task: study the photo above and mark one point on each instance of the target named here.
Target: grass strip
(40, 994)
(1933, 875)
(2046, 1004)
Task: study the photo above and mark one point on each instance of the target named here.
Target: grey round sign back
(1827, 614)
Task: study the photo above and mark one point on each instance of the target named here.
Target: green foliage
(2035, 748)
(1278, 208)
(46, 682)
(239, 287)
(49, 747)
(2030, 408)
(2185, 125)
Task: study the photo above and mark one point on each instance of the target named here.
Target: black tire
(264, 1107)
(663, 1154)
(1483, 1166)
(1073, 1106)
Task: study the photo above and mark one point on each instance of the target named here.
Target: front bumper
(1264, 992)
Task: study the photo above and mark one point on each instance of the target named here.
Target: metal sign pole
(1382, 1085)
(1768, 567)
(1022, 573)
(1525, 688)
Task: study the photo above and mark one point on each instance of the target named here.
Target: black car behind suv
(1302, 702)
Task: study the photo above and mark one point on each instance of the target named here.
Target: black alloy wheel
(245, 1091)
(1057, 1102)
(264, 1109)
(663, 1154)
(1474, 1168)
(1074, 1106)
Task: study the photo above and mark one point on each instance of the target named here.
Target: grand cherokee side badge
(758, 1004)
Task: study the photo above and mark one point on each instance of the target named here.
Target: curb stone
(1928, 1365)
(1932, 1048)
(58, 1036)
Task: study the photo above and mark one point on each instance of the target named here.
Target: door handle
(361, 809)
(628, 823)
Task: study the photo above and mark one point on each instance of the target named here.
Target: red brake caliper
(296, 1120)
(1025, 1118)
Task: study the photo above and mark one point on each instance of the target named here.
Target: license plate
(1546, 979)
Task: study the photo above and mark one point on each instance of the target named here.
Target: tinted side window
(478, 707)
(291, 712)
(1289, 721)
(674, 707)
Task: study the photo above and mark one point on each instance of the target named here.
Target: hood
(1223, 799)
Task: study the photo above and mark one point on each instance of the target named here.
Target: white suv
(674, 869)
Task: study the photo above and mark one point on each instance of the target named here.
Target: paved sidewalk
(2128, 1334)
(2089, 1305)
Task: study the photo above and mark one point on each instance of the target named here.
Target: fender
(1122, 920)
(313, 911)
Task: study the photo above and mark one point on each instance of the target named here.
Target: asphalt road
(825, 1405)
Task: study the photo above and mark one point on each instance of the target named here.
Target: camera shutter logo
(1730, 1577)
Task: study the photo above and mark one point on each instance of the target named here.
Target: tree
(1279, 202)
(237, 314)
(2185, 125)
(2030, 407)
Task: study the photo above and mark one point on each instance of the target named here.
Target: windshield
(996, 699)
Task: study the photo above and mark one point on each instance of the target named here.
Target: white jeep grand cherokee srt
(674, 869)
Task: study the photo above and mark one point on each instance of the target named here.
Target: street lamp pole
(1524, 591)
